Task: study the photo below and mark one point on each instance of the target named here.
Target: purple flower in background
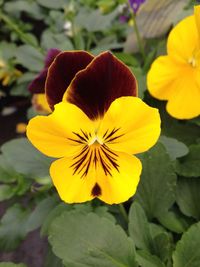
(135, 4)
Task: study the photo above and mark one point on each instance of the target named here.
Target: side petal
(99, 84)
(122, 183)
(38, 84)
(61, 73)
(183, 40)
(56, 135)
(72, 188)
(161, 76)
(184, 103)
(130, 126)
(197, 17)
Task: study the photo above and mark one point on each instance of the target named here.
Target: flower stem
(139, 39)
(123, 212)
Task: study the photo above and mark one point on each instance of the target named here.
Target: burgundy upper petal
(61, 73)
(100, 83)
(38, 84)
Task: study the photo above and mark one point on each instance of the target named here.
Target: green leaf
(11, 264)
(25, 158)
(38, 216)
(145, 259)
(30, 58)
(187, 253)
(52, 4)
(156, 191)
(6, 192)
(189, 165)
(93, 20)
(174, 221)
(12, 227)
(175, 149)
(188, 197)
(53, 214)
(60, 41)
(7, 173)
(139, 228)
(88, 240)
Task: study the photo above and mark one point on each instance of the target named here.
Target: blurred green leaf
(187, 253)
(93, 20)
(60, 41)
(29, 7)
(156, 191)
(189, 166)
(6, 192)
(7, 173)
(52, 4)
(39, 214)
(12, 227)
(25, 158)
(175, 148)
(88, 240)
(188, 196)
(141, 79)
(30, 58)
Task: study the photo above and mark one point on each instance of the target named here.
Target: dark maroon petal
(38, 84)
(100, 83)
(61, 73)
(51, 54)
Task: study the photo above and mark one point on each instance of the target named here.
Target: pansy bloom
(176, 76)
(96, 126)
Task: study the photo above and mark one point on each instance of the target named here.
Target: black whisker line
(80, 136)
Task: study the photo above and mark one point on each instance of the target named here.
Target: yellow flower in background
(8, 74)
(176, 76)
(95, 129)
(40, 104)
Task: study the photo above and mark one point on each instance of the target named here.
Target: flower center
(95, 152)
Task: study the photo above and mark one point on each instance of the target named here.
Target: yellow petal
(197, 17)
(184, 103)
(123, 183)
(161, 76)
(116, 187)
(53, 134)
(72, 188)
(40, 104)
(183, 40)
(136, 126)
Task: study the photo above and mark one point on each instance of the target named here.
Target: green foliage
(25, 158)
(156, 191)
(189, 165)
(12, 227)
(187, 251)
(90, 240)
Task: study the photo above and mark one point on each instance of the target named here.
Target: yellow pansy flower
(176, 76)
(96, 126)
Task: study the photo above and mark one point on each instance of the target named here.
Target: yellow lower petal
(183, 39)
(123, 183)
(53, 135)
(72, 188)
(161, 76)
(116, 187)
(136, 125)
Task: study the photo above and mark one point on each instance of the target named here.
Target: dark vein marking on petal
(96, 190)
